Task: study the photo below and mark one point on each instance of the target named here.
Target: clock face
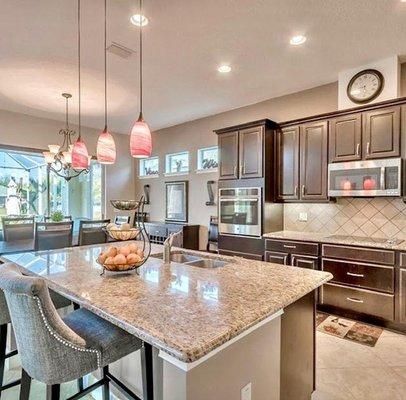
(365, 86)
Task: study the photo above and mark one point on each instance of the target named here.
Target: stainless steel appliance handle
(355, 300)
(356, 275)
(383, 183)
(240, 199)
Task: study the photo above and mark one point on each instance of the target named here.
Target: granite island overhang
(190, 314)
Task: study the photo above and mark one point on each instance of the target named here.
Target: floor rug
(347, 329)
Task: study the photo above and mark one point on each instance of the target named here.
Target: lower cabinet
(241, 246)
(402, 295)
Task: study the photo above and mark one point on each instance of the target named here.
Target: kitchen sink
(196, 261)
(207, 263)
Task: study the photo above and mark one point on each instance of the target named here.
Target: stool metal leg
(147, 372)
(3, 344)
(25, 386)
(53, 392)
(106, 385)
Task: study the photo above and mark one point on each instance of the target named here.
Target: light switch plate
(246, 392)
(303, 216)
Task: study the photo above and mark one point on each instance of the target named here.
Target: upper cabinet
(345, 138)
(246, 150)
(287, 163)
(313, 161)
(369, 135)
(382, 133)
(228, 155)
(301, 162)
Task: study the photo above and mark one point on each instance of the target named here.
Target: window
(149, 166)
(207, 158)
(27, 187)
(177, 163)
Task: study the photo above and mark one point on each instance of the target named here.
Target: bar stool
(58, 301)
(55, 350)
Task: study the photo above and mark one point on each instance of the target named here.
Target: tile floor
(345, 371)
(350, 371)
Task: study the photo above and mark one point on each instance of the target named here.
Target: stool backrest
(53, 235)
(18, 228)
(122, 219)
(213, 230)
(44, 341)
(64, 219)
(91, 232)
(4, 315)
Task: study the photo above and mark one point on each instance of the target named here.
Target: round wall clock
(365, 86)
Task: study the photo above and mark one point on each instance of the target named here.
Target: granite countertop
(337, 239)
(183, 310)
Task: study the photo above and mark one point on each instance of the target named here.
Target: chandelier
(59, 157)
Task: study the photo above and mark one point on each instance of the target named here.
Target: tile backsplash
(376, 217)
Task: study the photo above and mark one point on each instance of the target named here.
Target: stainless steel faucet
(168, 246)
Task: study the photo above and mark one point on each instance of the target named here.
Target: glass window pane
(149, 166)
(207, 158)
(177, 162)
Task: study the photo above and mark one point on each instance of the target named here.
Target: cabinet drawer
(363, 301)
(157, 230)
(306, 248)
(367, 276)
(402, 260)
(359, 254)
(243, 255)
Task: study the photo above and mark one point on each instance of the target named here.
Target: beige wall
(26, 131)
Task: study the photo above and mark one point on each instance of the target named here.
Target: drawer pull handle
(355, 300)
(356, 275)
(288, 246)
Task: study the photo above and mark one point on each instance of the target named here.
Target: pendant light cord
(80, 133)
(105, 65)
(141, 18)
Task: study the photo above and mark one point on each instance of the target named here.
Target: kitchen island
(215, 331)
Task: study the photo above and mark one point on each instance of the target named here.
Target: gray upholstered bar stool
(55, 350)
(5, 319)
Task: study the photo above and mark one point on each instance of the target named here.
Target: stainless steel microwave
(240, 211)
(365, 178)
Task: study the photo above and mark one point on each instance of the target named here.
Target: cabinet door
(228, 155)
(277, 258)
(345, 138)
(287, 164)
(382, 133)
(313, 161)
(402, 295)
(304, 262)
(251, 152)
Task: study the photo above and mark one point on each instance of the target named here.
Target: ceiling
(184, 43)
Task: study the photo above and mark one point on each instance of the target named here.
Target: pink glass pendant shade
(80, 156)
(141, 141)
(106, 148)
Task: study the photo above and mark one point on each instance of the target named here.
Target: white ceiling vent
(120, 50)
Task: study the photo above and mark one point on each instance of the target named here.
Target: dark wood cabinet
(381, 137)
(228, 155)
(276, 257)
(250, 155)
(301, 261)
(241, 153)
(402, 295)
(287, 163)
(313, 161)
(345, 134)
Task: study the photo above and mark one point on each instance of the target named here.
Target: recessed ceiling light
(224, 69)
(297, 40)
(137, 18)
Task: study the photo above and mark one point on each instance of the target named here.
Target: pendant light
(141, 141)
(80, 155)
(106, 147)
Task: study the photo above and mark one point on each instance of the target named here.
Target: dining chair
(59, 302)
(18, 228)
(65, 218)
(53, 235)
(54, 350)
(91, 232)
(213, 233)
(122, 219)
